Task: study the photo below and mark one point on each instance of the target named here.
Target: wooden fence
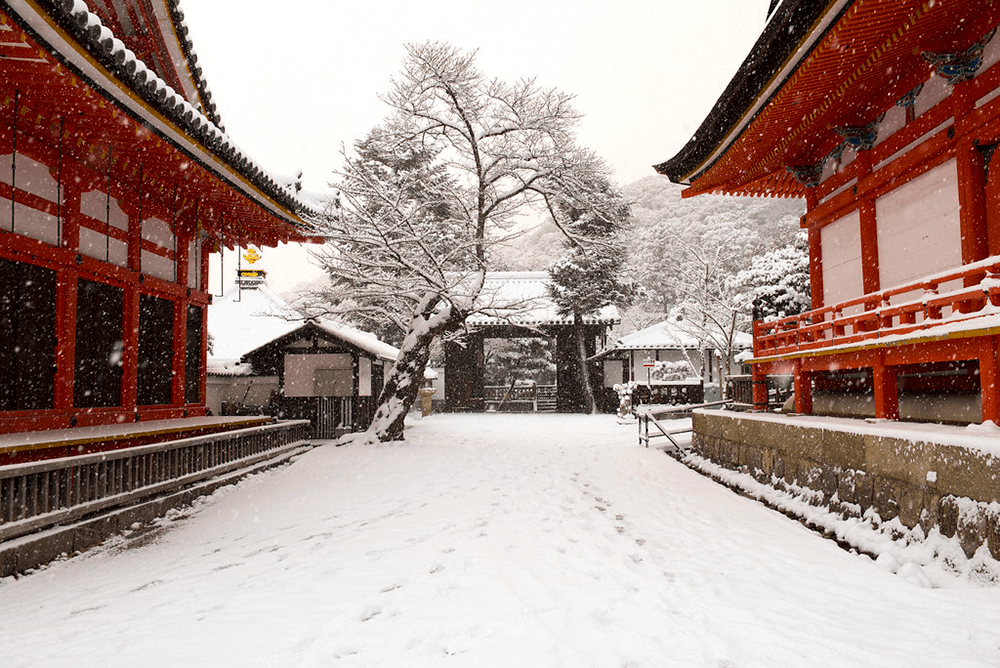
(520, 398)
(739, 389)
(38, 495)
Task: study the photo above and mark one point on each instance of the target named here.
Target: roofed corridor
(487, 540)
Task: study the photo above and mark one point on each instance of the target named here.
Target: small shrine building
(117, 183)
(267, 358)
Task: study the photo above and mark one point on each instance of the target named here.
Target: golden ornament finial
(252, 255)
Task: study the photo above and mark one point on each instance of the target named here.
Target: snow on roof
(243, 320)
(670, 334)
(521, 298)
(364, 340)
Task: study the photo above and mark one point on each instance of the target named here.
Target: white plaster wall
(935, 90)
(894, 121)
(305, 377)
(95, 204)
(31, 176)
(157, 266)
(364, 377)
(613, 370)
(30, 222)
(97, 245)
(158, 232)
(840, 242)
(194, 264)
(991, 54)
(918, 227)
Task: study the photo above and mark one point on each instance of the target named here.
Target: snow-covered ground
(487, 540)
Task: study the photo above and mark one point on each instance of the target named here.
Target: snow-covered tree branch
(425, 196)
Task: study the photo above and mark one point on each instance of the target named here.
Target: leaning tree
(456, 167)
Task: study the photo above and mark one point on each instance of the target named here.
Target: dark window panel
(27, 336)
(98, 381)
(156, 351)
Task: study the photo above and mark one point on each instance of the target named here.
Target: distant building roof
(668, 334)
(244, 320)
(521, 298)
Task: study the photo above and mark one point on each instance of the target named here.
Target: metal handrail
(646, 416)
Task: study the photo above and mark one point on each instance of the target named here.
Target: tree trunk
(403, 383)
(401, 387)
(581, 349)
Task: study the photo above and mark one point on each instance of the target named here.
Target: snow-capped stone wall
(926, 476)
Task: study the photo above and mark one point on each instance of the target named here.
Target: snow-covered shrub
(625, 407)
(667, 371)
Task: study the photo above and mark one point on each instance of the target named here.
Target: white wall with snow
(919, 220)
(321, 375)
(840, 242)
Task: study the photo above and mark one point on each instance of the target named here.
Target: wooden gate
(334, 417)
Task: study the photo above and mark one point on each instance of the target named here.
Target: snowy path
(487, 540)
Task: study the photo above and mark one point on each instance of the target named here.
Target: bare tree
(459, 161)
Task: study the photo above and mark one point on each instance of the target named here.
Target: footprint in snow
(370, 613)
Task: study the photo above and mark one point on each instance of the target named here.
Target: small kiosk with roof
(269, 359)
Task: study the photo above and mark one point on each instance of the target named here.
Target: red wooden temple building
(117, 182)
(884, 116)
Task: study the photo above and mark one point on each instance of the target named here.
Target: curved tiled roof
(205, 95)
(87, 28)
(782, 37)
(821, 67)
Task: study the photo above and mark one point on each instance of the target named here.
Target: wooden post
(65, 339)
(885, 389)
(971, 204)
(759, 389)
(988, 381)
(803, 389)
(870, 279)
(130, 352)
(179, 362)
(816, 267)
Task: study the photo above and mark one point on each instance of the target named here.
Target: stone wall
(932, 483)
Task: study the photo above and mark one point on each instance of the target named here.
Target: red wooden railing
(874, 316)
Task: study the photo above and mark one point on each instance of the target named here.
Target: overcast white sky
(295, 80)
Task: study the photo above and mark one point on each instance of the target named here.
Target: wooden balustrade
(41, 494)
(875, 315)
